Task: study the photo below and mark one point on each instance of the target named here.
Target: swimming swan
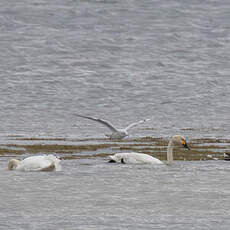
(117, 134)
(36, 163)
(141, 158)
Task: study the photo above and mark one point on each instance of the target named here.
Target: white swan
(36, 163)
(117, 134)
(141, 158)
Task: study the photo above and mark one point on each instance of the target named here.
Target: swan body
(141, 158)
(36, 163)
(117, 134)
(134, 158)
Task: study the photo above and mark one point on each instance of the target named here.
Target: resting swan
(141, 158)
(36, 163)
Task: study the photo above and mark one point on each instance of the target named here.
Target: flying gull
(117, 134)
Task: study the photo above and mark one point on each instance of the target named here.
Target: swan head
(181, 141)
(13, 163)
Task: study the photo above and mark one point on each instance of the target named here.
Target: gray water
(119, 60)
(122, 61)
(91, 194)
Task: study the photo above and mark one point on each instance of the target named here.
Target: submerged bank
(66, 148)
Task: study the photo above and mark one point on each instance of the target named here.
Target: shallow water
(92, 194)
(121, 61)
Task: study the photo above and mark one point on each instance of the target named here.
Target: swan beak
(186, 145)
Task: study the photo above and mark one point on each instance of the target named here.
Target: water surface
(91, 194)
(121, 61)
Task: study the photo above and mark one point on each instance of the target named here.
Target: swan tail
(51, 167)
(56, 162)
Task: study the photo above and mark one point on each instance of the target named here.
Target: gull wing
(136, 123)
(106, 123)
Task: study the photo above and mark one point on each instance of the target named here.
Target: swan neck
(170, 152)
(13, 164)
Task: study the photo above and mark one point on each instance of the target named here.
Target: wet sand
(66, 148)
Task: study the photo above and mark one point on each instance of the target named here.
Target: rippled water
(122, 61)
(91, 194)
